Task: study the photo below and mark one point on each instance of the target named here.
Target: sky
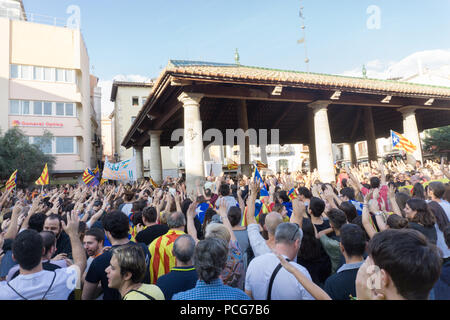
(135, 39)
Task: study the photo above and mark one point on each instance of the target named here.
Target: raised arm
(393, 203)
(13, 226)
(298, 211)
(253, 189)
(190, 215)
(78, 253)
(223, 214)
(366, 217)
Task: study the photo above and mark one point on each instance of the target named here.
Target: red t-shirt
(383, 195)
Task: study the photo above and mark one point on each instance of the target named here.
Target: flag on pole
(90, 179)
(96, 172)
(102, 181)
(261, 165)
(292, 194)
(11, 183)
(44, 179)
(402, 143)
(154, 184)
(232, 165)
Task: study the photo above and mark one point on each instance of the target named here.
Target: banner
(122, 171)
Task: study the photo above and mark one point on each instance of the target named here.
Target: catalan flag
(102, 181)
(161, 251)
(232, 165)
(154, 184)
(261, 165)
(44, 179)
(11, 183)
(402, 143)
(90, 179)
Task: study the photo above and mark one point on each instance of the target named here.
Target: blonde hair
(217, 230)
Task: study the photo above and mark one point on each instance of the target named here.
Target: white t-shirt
(285, 285)
(127, 207)
(34, 286)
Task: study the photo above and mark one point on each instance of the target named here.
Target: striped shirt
(162, 258)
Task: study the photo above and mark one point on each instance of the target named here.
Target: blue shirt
(179, 279)
(216, 290)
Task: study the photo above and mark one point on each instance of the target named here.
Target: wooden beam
(356, 124)
(167, 115)
(288, 110)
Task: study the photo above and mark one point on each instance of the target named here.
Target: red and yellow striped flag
(44, 179)
(261, 165)
(11, 183)
(153, 183)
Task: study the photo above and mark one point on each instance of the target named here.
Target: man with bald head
(183, 276)
(161, 249)
(259, 245)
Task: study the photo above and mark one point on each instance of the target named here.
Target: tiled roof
(239, 73)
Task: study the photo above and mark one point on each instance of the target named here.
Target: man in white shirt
(34, 283)
(266, 281)
(436, 190)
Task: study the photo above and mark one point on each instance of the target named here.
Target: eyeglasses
(296, 230)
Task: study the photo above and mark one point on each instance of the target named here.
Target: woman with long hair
(441, 223)
(421, 218)
(418, 191)
(312, 256)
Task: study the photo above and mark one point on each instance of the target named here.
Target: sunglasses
(295, 233)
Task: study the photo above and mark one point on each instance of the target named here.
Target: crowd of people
(379, 231)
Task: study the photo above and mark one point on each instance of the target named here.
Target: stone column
(312, 141)
(370, 134)
(193, 140)
(155, 156)
(411, 132)
(243, 124)
(139, 162)
(353, 153)
(324, 151)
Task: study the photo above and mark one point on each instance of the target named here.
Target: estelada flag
(292, 194)
(402, 143)
(11, 183)
(44, 179)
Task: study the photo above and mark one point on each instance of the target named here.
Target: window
(14, 107)
(37, 108)
(14, 71)
(48, 108)
(45, 145)
(70, 109)
(144, 100)
(60, 75)
(26, 72)
(70, 76)
(38, 73)
(135, 101)
(48, 74)
(133, 119)
(25, 107)
(64, 145)
(60, 109)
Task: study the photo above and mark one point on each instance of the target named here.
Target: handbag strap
(149, 297)
(272, 278)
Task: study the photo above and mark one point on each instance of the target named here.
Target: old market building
(307, 108)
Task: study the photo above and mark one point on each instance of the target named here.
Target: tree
(16, 153)
(437, 141)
